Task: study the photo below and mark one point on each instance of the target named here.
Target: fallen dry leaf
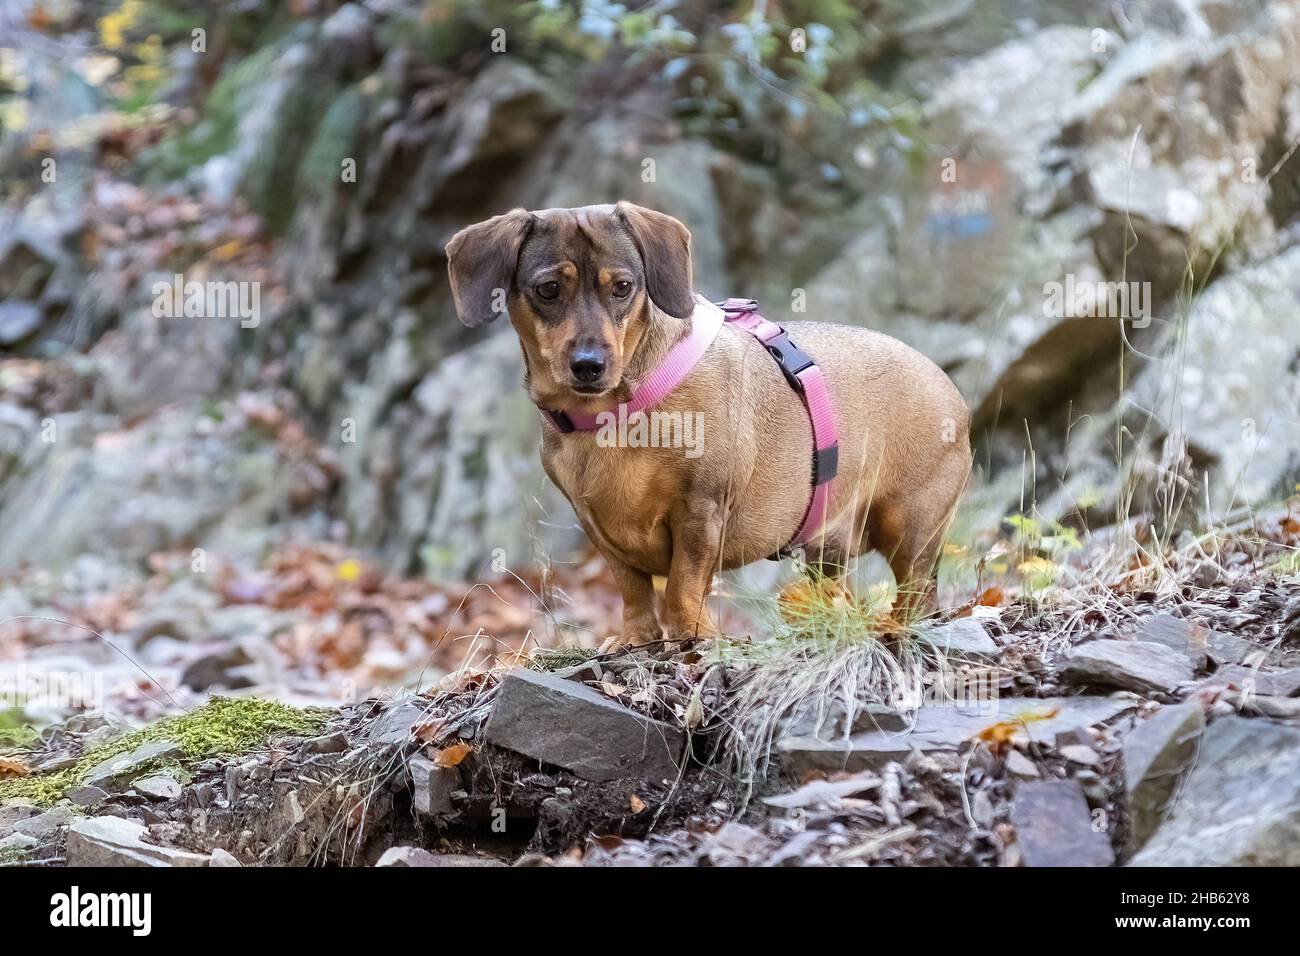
(453, 755)
(13, 767)
(637, 803)
(999, 736)
(429, 730)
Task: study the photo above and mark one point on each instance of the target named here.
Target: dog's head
(580, 286)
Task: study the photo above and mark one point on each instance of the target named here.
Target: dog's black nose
(587, 366)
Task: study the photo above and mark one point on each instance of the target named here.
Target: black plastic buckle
(561, 420)
(790, 358)
(825, 464)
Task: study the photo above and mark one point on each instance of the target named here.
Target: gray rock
(1018, 765)
(416, 856)
(117, 769)
(224, 858)
(1054, 827)
(1238, 806)
(45, 824)
(335, 743)
(569, 725)
(982, 810)
(432, 786)
(965, 638)
(943, 729)
(86, 796)
(1178, 635)
(824, 791)
(733, 843)
(1156, 753)
(829, 721)
(1236, 315)
(27, 258)
(393, 728)
(1078, 753)
(60, 760)
(485, 442)
(224, 667)
(19, 842)
(12, 813)
(349, 25)
(582, 673)
(170, 619)
(158, 786)
(75, 495)
(113, 841)
(1133, 665)
(1231, 649)
(1275, 683)
(792, 854)
(18, 320)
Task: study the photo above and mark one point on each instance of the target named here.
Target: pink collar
(667, 375)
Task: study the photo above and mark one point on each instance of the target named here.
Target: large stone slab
(113, 841)
(1156, 753)
(1140, 666)
(1054, 826)
(946, 728)
(1238, 806)
(561, 722)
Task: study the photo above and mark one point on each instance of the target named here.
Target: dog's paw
(692, 634)
(642, 634)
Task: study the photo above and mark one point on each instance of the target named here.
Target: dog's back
(904, 433)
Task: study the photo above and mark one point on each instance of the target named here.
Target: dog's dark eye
(622, 289)
(548, 291)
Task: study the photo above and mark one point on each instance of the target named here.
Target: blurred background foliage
(928, 168)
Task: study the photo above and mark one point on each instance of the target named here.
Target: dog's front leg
(697, 545)
(640, 625)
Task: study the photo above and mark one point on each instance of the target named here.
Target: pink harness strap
(797, 366)
(658, 385)
(803, 375)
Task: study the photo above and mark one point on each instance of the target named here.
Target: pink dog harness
(800, 371)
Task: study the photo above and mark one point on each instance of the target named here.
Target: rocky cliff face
(329, 155)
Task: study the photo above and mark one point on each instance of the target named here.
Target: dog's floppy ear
(665, 247)
(481, 261)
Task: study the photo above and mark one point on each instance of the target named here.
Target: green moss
(232, 96)
(15, 731)
(558, 658)
(1287, 566)
(333, 142)
(223, 727)
(10, 856)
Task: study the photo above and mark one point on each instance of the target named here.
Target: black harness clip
(790, 358)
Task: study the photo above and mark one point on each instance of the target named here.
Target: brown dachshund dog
(598, 296)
